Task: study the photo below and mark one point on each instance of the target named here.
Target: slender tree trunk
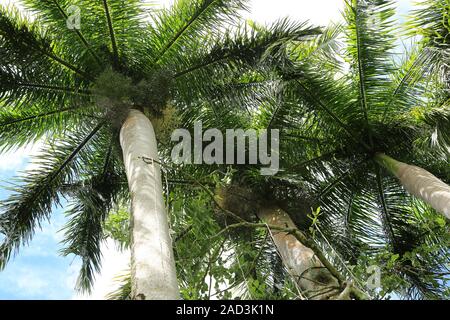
(311, 276)
(420, 183)
(152, 262)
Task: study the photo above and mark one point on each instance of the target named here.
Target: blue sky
(39, 272)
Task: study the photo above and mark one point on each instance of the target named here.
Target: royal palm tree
(340, 116)
(255, 198)
(249, 197)
(94, 94)
(360, 205)
(355, 115)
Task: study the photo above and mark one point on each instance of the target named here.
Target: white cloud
(29, 284)
(26, 281)
(318, 12)
(8, 2)
(19, 159)
(13, 160)
(11, 2)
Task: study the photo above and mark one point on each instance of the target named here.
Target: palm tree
(358, 208)
(95, 94)
(339, 117)
(248, 196)
(378, 101)
(291, 111)
(351, 113)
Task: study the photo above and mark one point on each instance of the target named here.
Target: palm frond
(93, 196)
(55, 14)
(33, 199)
(84, 231)
(439, 122)
(30, 41)
(177, 27)
(238, 52)
(370, 41)
(30, 71)
(22, 127)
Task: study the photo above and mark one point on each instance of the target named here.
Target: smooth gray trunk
(420, 183)
(314, 280)
(153, 271)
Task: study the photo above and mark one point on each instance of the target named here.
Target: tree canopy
(339, 96)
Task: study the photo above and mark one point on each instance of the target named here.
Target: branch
(111, 33)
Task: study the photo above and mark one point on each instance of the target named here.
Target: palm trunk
(420, 183)
(152, 262)
(311, 276)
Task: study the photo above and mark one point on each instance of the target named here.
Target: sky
(38, 271)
